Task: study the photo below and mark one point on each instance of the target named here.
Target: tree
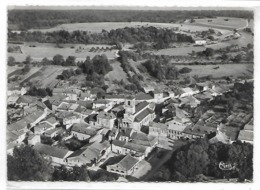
(70, 61)
(11, 61)
(27, 164)
(75, 174)
(208, 52)
(28, 60)
(237, 58)
(58, 59)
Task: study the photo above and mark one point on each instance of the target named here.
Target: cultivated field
(48, 50)
(46, 77)
(234, 70)
(219, 22)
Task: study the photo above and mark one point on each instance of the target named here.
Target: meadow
(235, 70)
(222, 22)
(48, 50)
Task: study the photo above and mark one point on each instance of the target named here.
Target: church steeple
(130, 105)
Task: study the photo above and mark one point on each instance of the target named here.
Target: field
(46, 76)
(117, 73)
(48, 50)
(234, 70)
(40, 76)
(98, 27)
(219, 22)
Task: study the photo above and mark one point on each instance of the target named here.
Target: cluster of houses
(114, 125)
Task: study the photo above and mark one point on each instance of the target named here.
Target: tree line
(161, 37)
(27, 19)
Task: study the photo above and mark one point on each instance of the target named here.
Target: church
(137, 114)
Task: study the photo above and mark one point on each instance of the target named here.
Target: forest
(27, 19)
(201, 157)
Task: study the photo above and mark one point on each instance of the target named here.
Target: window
(129, 103)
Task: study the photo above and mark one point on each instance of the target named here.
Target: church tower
(129, 105)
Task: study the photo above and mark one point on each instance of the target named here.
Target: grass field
(117, 73)
(234, 70)
(49, 50)
(219, 22)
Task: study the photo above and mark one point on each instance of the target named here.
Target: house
(82, 131)
(200, 42)
(70, 93)
(125, 134)
(203, 86)
(137, 115)
(136, 150)
(158, 96)
(125, 167)
(148, 88)
(116, 99)
(42, 128)
(105, 119)
(55, 154)
(12, 99)
(157, 129)
(140, 97)
(52, 132)
(141, 138)
(27, 122)
(13, 89)
(90, 155)
(175, 129)
(113, 133)
(186, 92)
(15, 137)
(246, 136)
(26, 100)
(69, 118)
(199, 130)
(189, 101)
(34, 139)
(87, 96)
(51, 121)
(54, 104)
(101, 102)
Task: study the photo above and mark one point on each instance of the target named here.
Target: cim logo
(226, 165)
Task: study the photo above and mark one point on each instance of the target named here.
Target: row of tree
(161, 37)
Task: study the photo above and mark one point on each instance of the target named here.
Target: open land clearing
(234, 70)
(49, 50)
(222, 22)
